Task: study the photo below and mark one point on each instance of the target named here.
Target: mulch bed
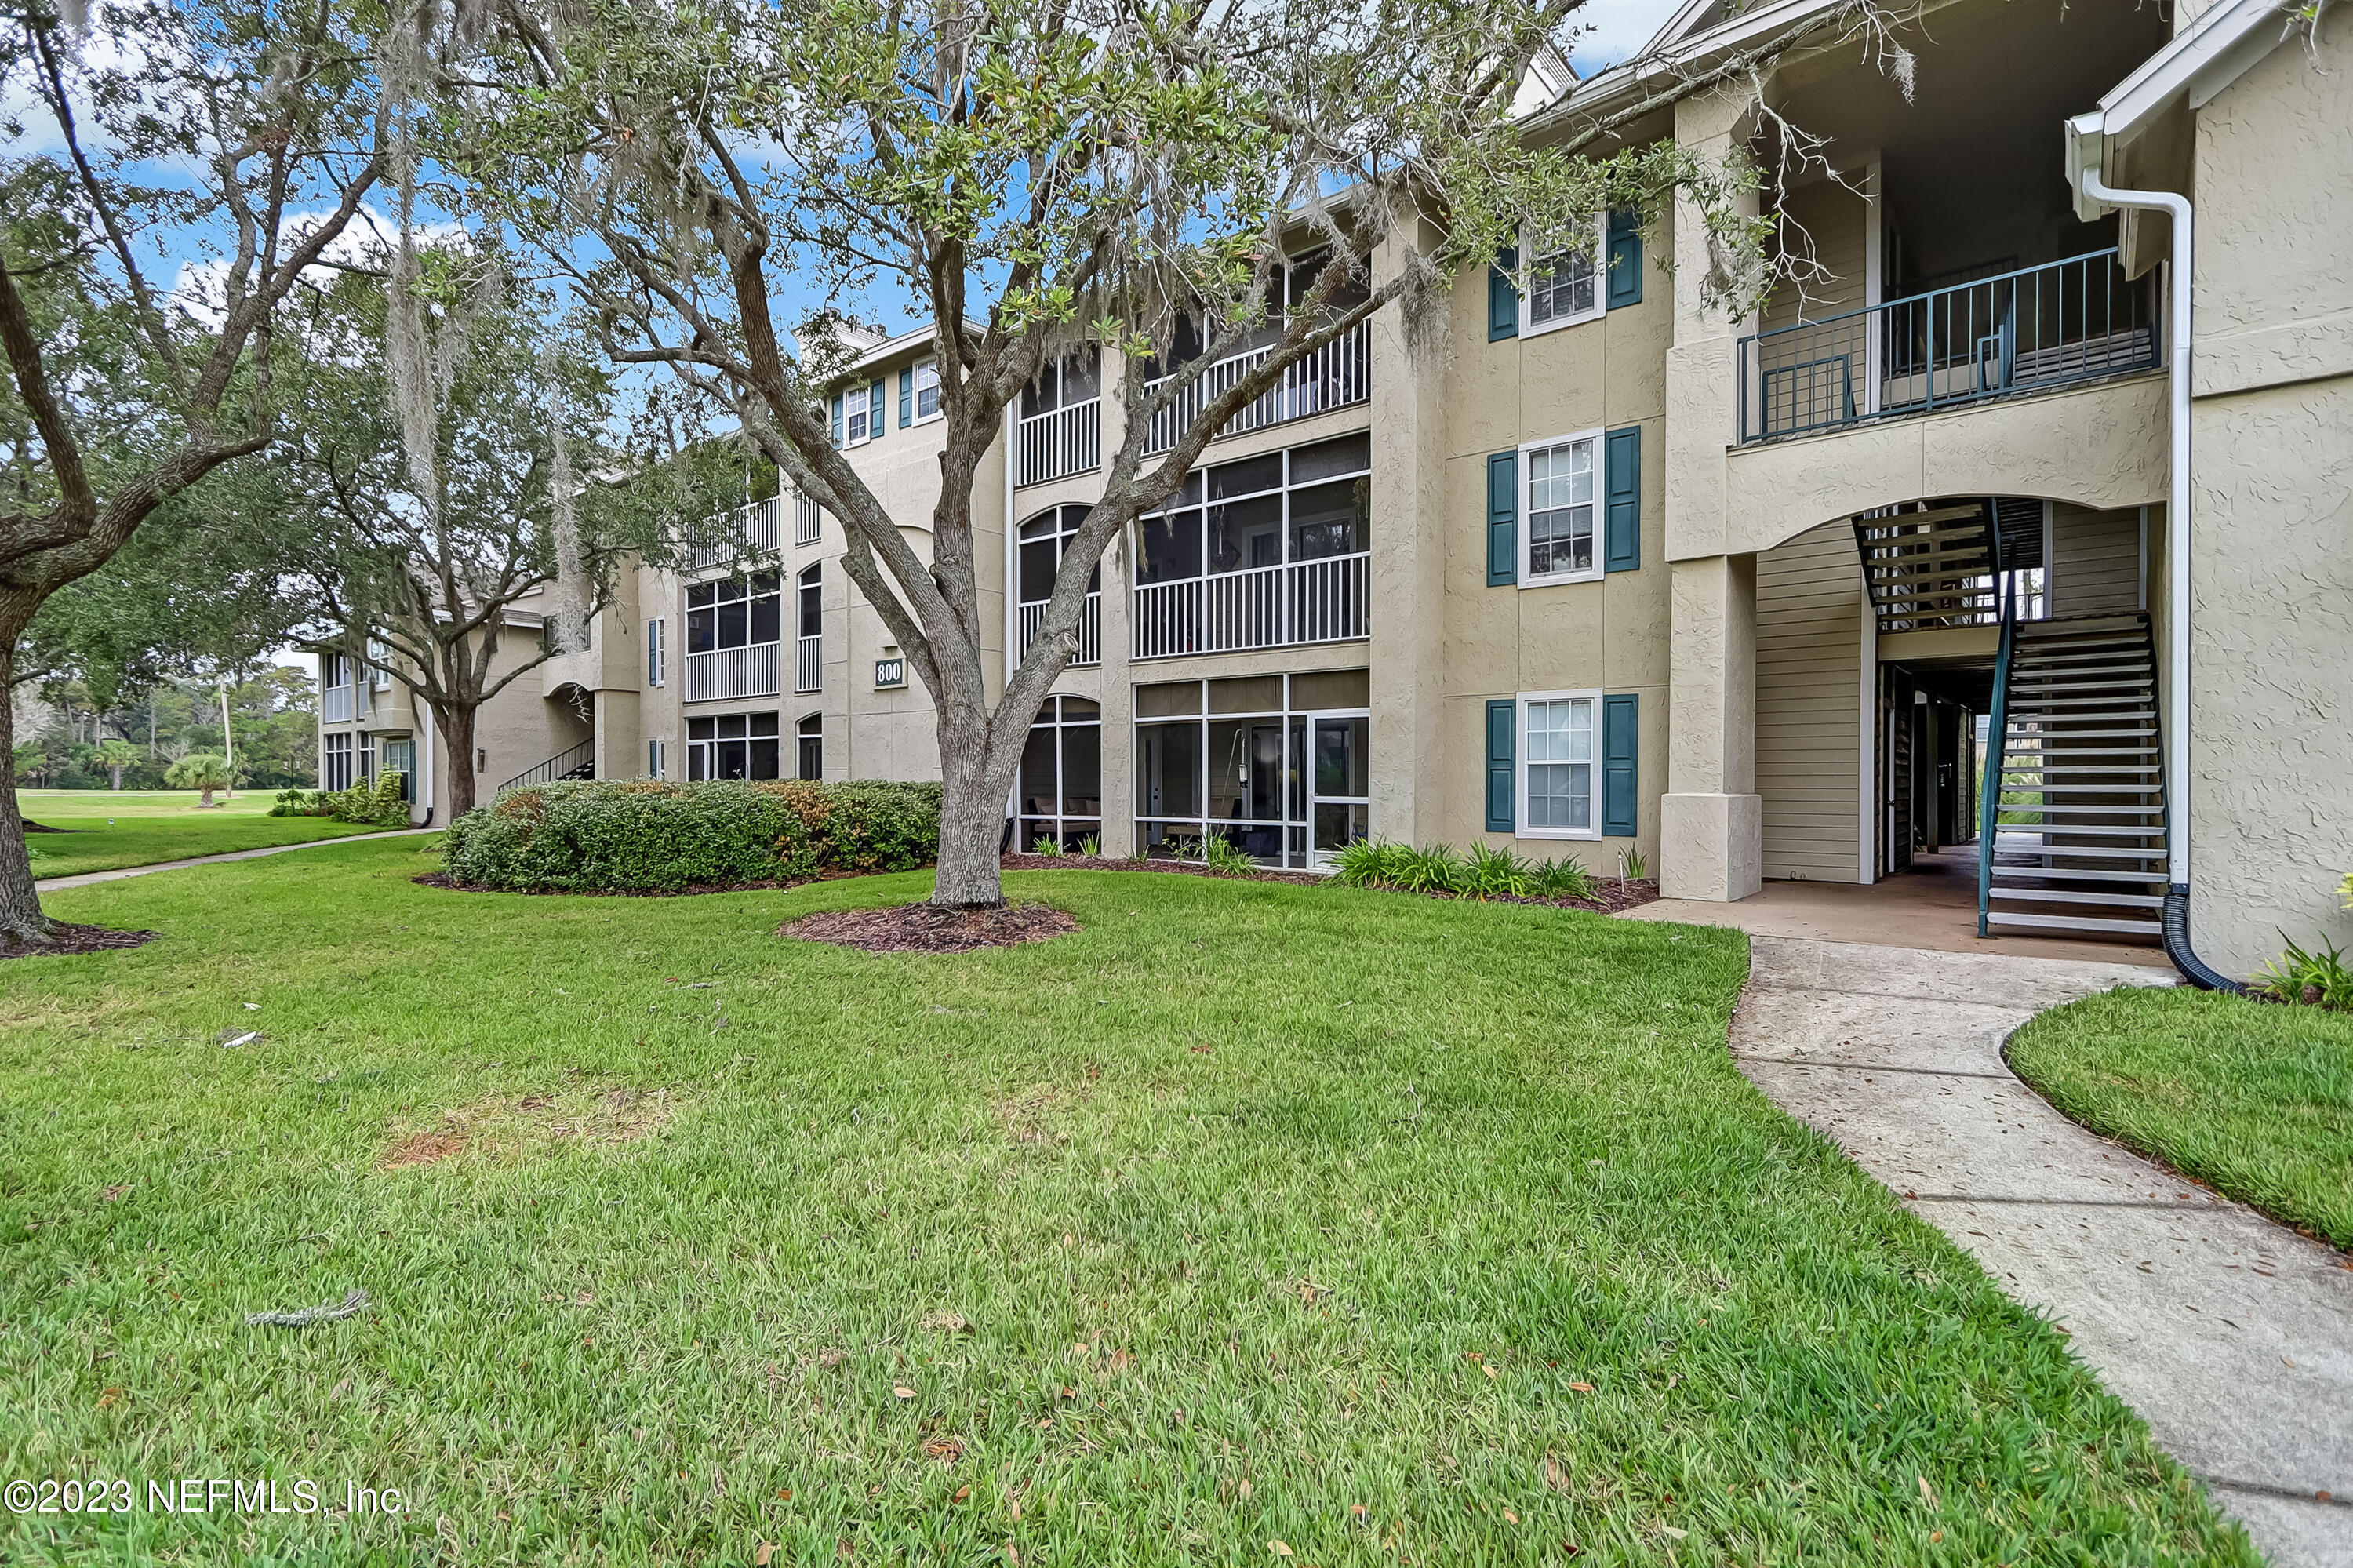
(929, 928)
(66, 939)
(1613, 894)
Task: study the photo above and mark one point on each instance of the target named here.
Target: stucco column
(1712, 820)
(1408, 574)
(1711, 840)
(619, 754)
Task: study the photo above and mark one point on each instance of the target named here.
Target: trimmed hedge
(598, 836)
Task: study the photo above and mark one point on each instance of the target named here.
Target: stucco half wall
(2101, 446)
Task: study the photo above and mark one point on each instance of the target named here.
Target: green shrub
(596, 835)
(374, 803)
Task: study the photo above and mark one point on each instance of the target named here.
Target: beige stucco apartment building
(1603, 573)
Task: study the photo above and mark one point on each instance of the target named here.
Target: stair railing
(560, 766)
(1997, 731)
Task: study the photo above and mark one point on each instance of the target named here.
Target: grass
(1390, 1230)
(106, 830)
(2256, 1100)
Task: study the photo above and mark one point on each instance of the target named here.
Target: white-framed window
(1559, 741)
(336, 671)
(655, 652)
(809, 740)
(657, 759)
(1558, 478)
(335, 761)
(927, 390)
(1565, 286)
(379, 665)
(732, 745)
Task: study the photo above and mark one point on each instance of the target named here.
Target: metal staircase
(1931, 568)
(2078, 844)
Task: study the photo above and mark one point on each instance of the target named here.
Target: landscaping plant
(599, 836)
(2315, 979)
(1222, 855)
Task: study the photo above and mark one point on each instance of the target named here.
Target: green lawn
(107, 828)
(2254, 1098)
(1391, 1230)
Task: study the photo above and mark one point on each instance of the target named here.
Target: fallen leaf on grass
(1581, 1388)
(1927, 1493)
(1491, 1371)
(947, 1322)
(946, 1450)
(961, 1494)
(768, 1552)
(1672, 1533)
(1556, 1476)
(902, 1391)
(1278, 1548)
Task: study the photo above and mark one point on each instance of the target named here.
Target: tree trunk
(116, 774)
(976, 775)
(457, 726)
(204, 796)
(21, 920)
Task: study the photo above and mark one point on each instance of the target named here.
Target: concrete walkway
(59, 883)
(2232, 1335)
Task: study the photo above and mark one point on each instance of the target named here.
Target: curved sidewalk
(59, 884)
(2231, 1336)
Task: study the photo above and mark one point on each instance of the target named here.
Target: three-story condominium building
(1889, 571)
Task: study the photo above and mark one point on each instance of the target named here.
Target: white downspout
(424, 734)
(2088, 138)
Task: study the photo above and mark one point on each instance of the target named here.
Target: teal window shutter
(1622, 485)
(1625, 257)
(876, 416)
(906, 397)
(1502, 519)
(1503, 780)
(837, 419)
(1621, 746)
(1503, 296)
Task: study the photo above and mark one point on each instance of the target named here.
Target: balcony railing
(808, 520)
(335, 705)
(1335, 377)
(1060, 442)
(2021, 332)
(752, 530)
(1272, 606)
(808, 665)
(722, 672)
(1090, 631)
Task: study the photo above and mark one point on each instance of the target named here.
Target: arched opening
(809, 743)
(1913, 657)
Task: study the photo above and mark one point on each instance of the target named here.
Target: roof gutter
(2087, 145)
